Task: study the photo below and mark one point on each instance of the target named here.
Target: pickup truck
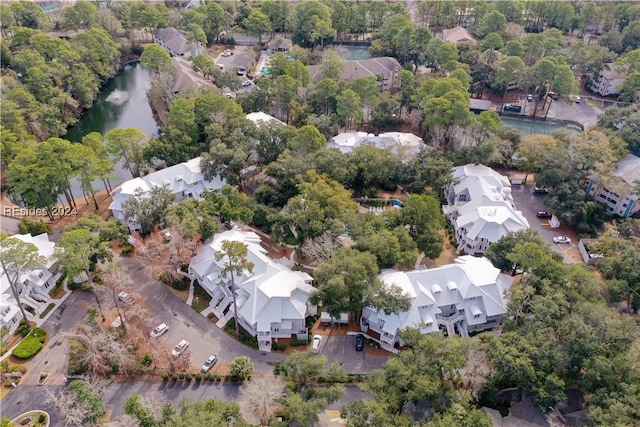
(126, 298)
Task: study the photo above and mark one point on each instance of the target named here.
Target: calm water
(122, 104)
(526, 127)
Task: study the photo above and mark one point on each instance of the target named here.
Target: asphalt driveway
(341, 349)
(530, 204)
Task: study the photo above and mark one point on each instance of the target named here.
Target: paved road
(530, 204)
(28, 397)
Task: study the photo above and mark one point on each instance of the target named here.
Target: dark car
(512, 108)
(544, 214)
(540, 191)
(359, 342)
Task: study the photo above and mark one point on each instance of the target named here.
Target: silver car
(561, 239)
(179, 348)
(208, 364)
(160, 330)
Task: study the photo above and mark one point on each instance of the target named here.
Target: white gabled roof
(46, 250)
(259, 117)
(270, 293)
(399, 141)
(443, 286)
(176, 178)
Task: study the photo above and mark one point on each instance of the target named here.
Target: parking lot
(341, 349)
(242, 57)
(530, 204)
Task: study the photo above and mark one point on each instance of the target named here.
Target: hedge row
(31, 344)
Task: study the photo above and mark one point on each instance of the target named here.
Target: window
(276, 330)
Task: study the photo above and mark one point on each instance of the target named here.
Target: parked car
(554, 95)
(208, 364)
(228, 95)
(179, 348)
(512, 108)
(221, 66)
(227, 52)
(529, 98)
(544, 214)
(540, 191)
(561, 239)
(126, 298)
(166, 235)
(359, 342)
(246, 83)
(160, 330)
(315, 344)
(578, 100)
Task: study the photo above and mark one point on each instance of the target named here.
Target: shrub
(198, 377)
(282, 347)
(188, 378)
(181, 376)
(137, 49)
(165, 377)
(31, 344)
(42, 418)
(207, 376)
(23, 329)
(274, 346)
(146, 359)
(47, 310)
(211, 316)
(180, 285)
(33, 227)
(174, 378)
(126, 249)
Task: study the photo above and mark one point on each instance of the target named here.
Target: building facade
(34, 285)
(184, 180)
(608, 81)
(466, 296)
(618, 194)
(175, 42)
(481, 208)
(272, 300)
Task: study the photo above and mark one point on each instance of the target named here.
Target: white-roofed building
(466, 296)
(260, 117)
(272, 300)
(404, 144)
(481, 208)
(184, 180)
(34, 285)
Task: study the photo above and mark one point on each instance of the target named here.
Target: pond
(122, 104)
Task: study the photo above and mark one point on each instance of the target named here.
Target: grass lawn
(201, 298)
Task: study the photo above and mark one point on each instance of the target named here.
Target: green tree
(307, 140)
(83, 14)
(422, 215)
(492, 22)
(332, 65)
(348, 107)
(343, 281)
(127, 145)
(499, 252)
(630, 89)
(148, 208)
(155, 59)
(310, 21)
(234, 256)
(17, 258)
(210, 412)
(257, 23)
(241, 367)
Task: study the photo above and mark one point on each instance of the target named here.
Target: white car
(246, 83)
(315, 344)
(227, 52)
(126, 298)
(221, 66)
(578, 100)
(561, 239)
(160, 330)
(208, 364)
(179, 348)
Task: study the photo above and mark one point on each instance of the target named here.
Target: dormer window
(452, 286)
(436, 289)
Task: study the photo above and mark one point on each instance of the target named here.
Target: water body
(529, 127)
(122, 104)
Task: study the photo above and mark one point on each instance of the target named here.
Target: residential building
(608, 81)
(466, 296)
(402, 143)
(279, 44)
(272, 300)
(34, 285)
(260, 117)
(618, 192)
(481, 208)
(186, 77)
(385, 69)
(457, 35)
(184, 180)
(175, 42)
